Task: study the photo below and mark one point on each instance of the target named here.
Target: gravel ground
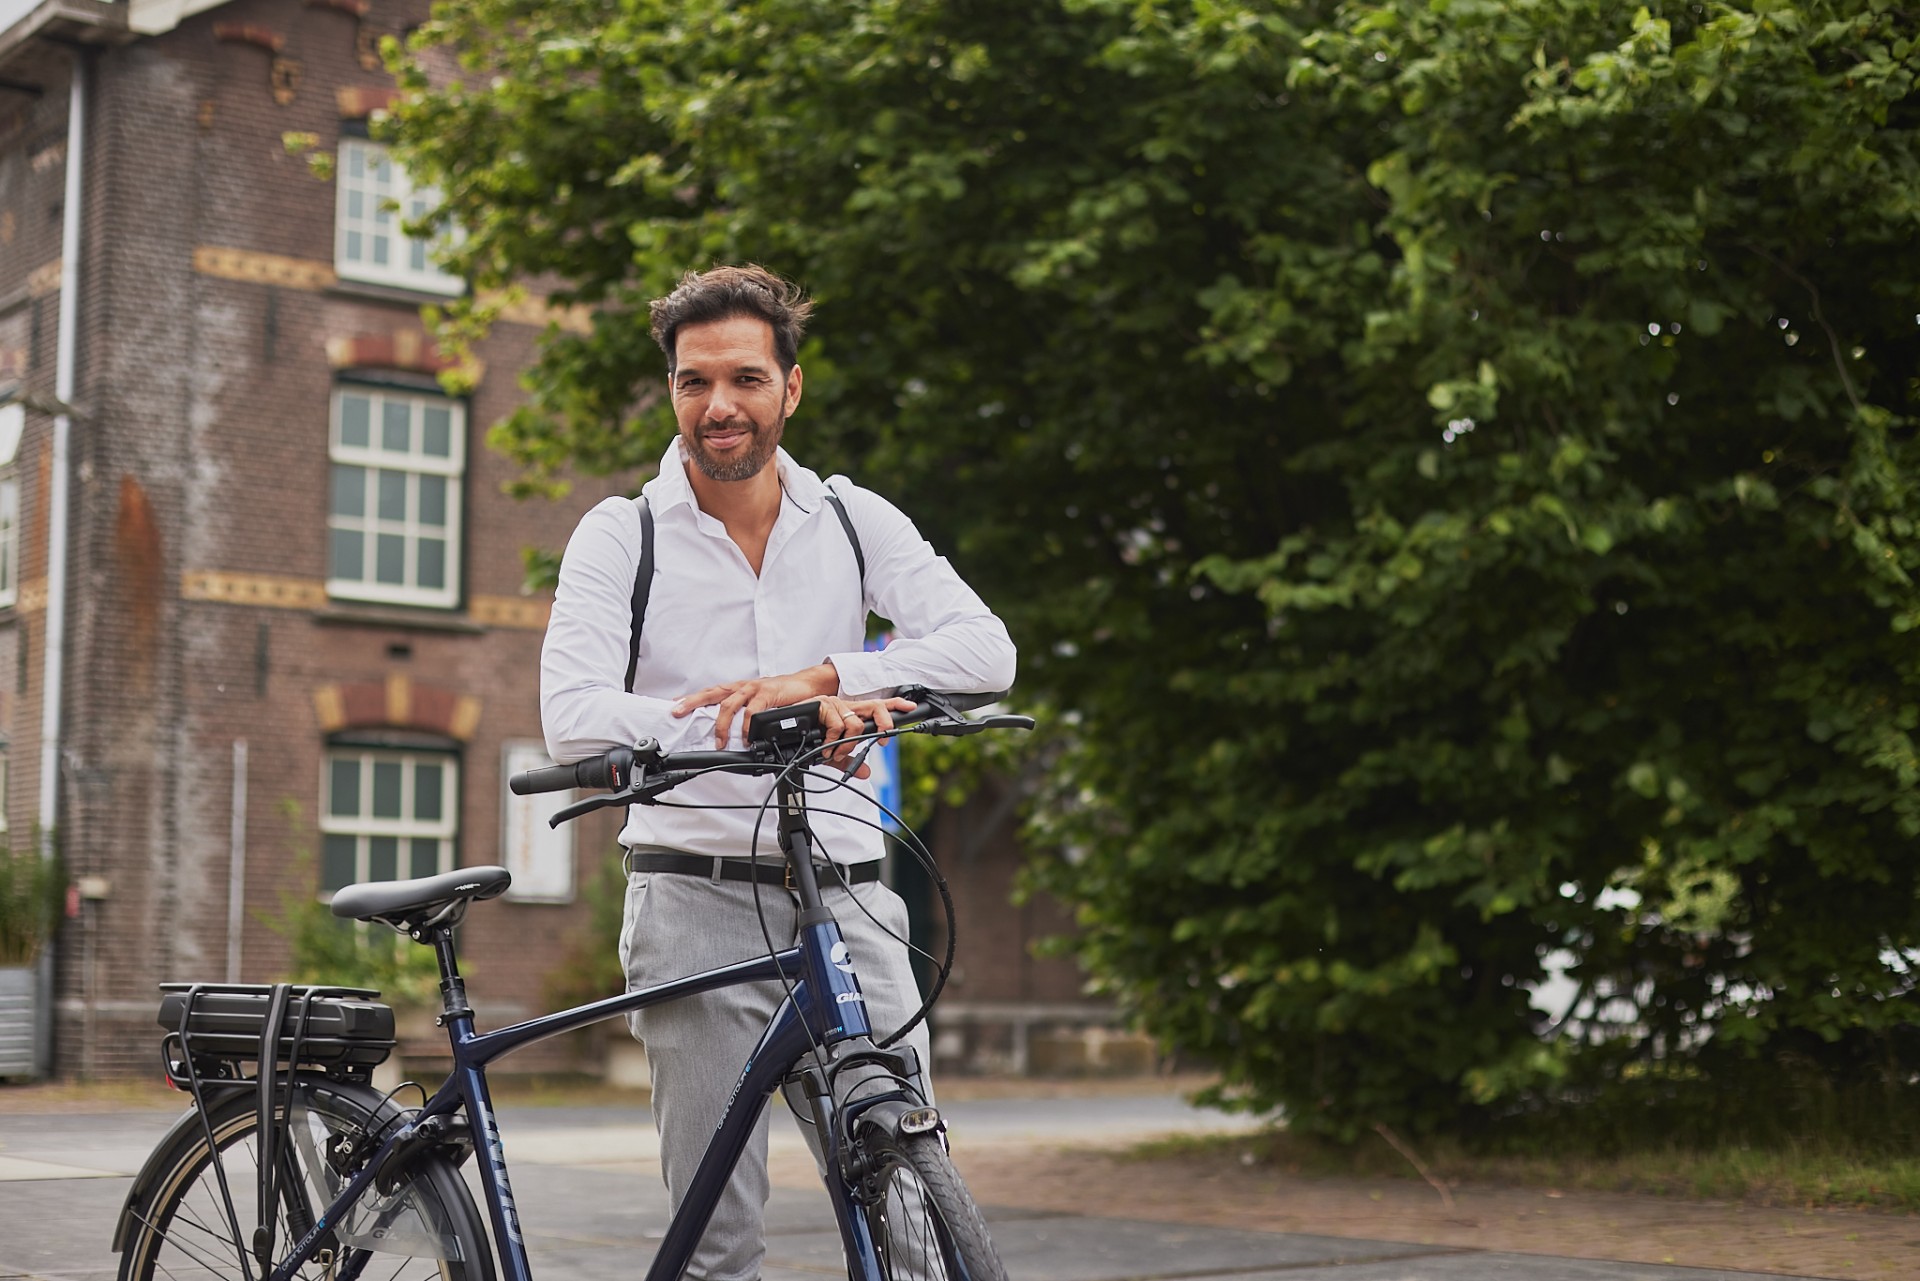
(1083, 1179)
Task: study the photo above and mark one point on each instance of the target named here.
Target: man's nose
(722, 405)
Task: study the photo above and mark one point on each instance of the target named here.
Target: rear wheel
(925, 1227)
(187, 1226)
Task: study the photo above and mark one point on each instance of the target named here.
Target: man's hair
(726, 292)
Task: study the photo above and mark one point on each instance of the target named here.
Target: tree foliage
(1456, 457)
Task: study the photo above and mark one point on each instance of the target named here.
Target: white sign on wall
(540, 857)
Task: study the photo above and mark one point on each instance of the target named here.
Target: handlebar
(777, 739)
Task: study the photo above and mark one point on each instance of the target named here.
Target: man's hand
(819, 681)
(842, 718)
(839, 717)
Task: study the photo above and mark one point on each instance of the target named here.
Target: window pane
(344, 793)
(336, 862)
(426, 793)
(433, 500)
(346, 554)
(393, 495)
(380, 250)
(356, 204)
(390, 564)
(395, 419)
(349, 490)
(354, 414)
(383, 858)
(417, 255)
(426, 858)
(436, 431)
(386, 789)
(433, 564)
(356, 160)
(356, 247)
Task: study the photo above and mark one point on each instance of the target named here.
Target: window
(393, 523)
(374, 196)
(386, 815)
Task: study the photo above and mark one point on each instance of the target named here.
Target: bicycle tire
(924, 1224)
(179, 1228)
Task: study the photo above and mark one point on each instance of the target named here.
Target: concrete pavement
(587, 1182)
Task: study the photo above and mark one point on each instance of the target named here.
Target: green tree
(1455, 458)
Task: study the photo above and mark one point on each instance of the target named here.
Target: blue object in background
(885, 759)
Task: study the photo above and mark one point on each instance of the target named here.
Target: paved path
(587, 1181)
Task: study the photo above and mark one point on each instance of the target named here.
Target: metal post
(237, 861)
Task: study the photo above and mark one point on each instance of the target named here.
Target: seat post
(453, 990)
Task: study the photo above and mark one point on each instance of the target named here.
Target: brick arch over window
(396, 703)
(408, 349)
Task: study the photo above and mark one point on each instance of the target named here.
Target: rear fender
(183, 1133)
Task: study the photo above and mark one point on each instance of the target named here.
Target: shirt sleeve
(944, 636)
(585, 708)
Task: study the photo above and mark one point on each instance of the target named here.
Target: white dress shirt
(711, 619)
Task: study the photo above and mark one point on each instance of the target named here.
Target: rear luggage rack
(213, 1029)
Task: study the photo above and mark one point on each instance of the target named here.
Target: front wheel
(199, 1207)
(924, 1225)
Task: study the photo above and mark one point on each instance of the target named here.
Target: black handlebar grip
(612, 769)
(551, 778)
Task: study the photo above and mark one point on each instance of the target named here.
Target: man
(759, 598)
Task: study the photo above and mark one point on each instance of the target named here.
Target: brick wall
(204, 452)
(211, 334)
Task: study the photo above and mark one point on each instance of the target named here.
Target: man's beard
(761, 444)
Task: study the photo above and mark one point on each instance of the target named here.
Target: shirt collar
(670, 487)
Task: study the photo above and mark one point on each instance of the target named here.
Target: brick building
(295, 643)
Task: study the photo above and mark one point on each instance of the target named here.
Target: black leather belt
(740, 869)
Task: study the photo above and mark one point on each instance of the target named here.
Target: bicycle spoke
(182, 1248)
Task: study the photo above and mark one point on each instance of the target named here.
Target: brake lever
(588, 806)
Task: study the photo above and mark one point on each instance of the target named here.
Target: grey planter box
(19, 1020)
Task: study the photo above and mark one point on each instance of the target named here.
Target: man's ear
(792, 397)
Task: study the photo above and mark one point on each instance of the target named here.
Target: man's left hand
(839, 717)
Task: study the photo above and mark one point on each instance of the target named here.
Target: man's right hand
(733, 698)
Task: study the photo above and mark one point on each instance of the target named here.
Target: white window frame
(364, 827)
(367, 181)
(413, 462)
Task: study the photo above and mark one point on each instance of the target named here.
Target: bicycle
(344, 1178)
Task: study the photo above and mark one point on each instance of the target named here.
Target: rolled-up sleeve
(944, 637)
(584, 704)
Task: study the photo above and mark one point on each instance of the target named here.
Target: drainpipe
(54, 646)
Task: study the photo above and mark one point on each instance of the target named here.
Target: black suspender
(853, 537)
(643, 576)
(642, 587)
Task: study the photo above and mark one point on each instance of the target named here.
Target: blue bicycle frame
(824, 1008)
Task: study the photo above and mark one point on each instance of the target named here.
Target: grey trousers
(676, 925)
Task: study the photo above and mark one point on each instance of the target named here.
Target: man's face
(729, 396)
